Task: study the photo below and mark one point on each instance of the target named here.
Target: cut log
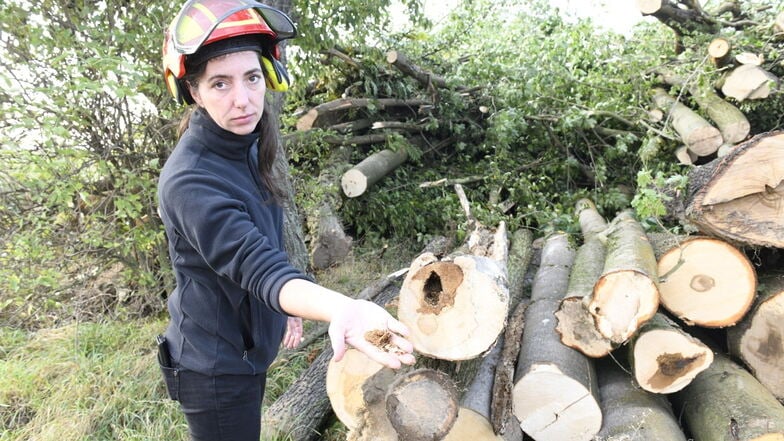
(626, 295)
(630, 413)
(685, 156)
(696, 132)
(726, 403)
(680, 16)
(576, 324)
(719, 51)
(704, 281)
(360, 177)
(455, 307)
(731, 122)
(740, 197)
(334, 112)
(347, 381)
(757, 340)
(427, 79)
(664, 358)
(422, 405)
(748, 81)
(554, 396)
(473, 417)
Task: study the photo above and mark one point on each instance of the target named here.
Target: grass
(96, 381)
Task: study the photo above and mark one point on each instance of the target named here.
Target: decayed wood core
(441, 282)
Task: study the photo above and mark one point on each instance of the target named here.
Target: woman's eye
(219, 85)
(255, 78)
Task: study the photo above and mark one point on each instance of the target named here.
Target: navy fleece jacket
(226, 247)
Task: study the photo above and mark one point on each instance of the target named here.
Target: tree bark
(427, 79)
(626, 294)
(697, 133)
(740, 197)
(360, 177)
(704, 281)
(726, 403)
(682, 20)
(334, 112)
(631, 413)
(554, 396)
(757, 340)
(664, 358)
(502, 419)
(576, 324)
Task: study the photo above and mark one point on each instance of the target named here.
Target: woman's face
(232, 91)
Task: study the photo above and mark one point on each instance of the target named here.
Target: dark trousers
(218, 408)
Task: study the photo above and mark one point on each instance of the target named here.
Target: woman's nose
(241, 95)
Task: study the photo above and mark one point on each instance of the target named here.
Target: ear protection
(275, 74)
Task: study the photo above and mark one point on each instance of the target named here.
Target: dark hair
(268, 138)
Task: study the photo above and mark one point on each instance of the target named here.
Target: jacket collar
(219, 140)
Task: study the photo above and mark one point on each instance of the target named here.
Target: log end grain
(707, 282)
(422, 405)
(666, 361)
(354, 183)
(471, 426)
(345, 381)
(622, 301)
(578, 330)
(554, 406)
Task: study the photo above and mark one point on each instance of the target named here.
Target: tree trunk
(740, 197)
(630, 413)
(329, 242)
(576, 325)
(726, 403)
(334, 112)
(555, 386)
(626, 294)
(704, 281)
(455, 307)
(359, 178)
(757, 340)
(664, 358)
(698, 134)
(750, 82)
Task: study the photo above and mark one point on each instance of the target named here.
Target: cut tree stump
(749, 81)
(554, 395)
(630, 413)
(697, 133)
(758, 340)
(704, 281)
(576, 324)
(626, 295)
(726, 403)
(359, 178)
(422, 405)
(740, 197)
(664, 358)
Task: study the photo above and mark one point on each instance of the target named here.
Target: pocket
(171, 376)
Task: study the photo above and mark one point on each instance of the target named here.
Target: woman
(220, 206)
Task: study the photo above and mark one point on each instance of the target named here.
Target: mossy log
(576, 324)
(664, 358)
(758, 339)
(740, 197)
(726, 403)
(630, 413)
(626, 294)
(703, 280)
(554, 395)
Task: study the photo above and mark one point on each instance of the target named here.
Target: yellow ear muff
(275, 74)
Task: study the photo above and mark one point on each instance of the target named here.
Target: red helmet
(203, 22)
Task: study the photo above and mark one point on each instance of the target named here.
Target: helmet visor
(198, 18)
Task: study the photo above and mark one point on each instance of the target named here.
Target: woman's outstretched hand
(373, 331)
